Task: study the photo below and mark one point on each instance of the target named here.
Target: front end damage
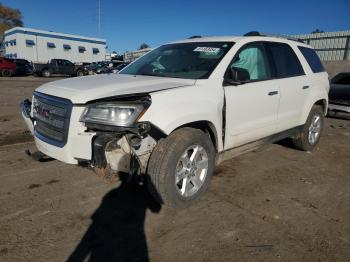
(125, 150)
(107, 148)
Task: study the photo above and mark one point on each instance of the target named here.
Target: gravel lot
(273, 204)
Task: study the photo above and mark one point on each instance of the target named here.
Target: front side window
(312, 59)
(286, 62)
(252, 58)
(194, 60)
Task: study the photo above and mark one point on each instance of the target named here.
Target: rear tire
(46, 73)
(180, 167)
(7, 73)
(308, 138)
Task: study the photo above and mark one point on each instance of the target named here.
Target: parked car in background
(109, 67)
(58, 67)
(120, 67)
(339, 95)
(96, 67)
(7, 67)
(23, 67)
(174, 113)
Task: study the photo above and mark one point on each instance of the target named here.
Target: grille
(52, 117)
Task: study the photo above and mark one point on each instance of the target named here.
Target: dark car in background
(23, 67)
(95, 67)
(339, 95)
(7, 67)
(120, 67)
(58, 67)
(110, 67)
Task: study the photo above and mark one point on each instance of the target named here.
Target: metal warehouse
(41, 46)
(330, 46)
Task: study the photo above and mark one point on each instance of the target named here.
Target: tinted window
(253, 59)
(286, 62)
(312, 59)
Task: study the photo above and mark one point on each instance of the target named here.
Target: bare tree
(9, 18)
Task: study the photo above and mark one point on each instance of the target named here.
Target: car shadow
(286, 142)
(117, 229)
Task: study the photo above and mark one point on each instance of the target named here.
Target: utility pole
(99, 17)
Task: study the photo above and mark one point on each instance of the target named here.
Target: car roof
(210, 39)
(237, 39)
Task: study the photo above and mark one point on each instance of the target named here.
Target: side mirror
(237, 76)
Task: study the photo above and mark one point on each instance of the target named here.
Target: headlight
(112, 114)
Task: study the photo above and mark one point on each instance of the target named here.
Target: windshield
(195, 60)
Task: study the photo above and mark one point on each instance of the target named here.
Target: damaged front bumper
(99, 146)
(120, 148)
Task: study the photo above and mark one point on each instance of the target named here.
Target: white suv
(180, 109)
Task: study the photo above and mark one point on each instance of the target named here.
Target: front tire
(46, 73)
(308, 138)
(80, 73)
(180, 167)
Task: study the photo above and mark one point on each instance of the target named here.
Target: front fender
(173, 108)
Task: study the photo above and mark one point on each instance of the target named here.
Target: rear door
(69, 67)
(293, 84)
(251, 107)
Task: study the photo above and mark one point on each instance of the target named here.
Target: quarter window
(253, 59)
(312, 59)
(286, 62)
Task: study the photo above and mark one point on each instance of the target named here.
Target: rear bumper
(79, 142)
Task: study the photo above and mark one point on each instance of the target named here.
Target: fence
(330, 46)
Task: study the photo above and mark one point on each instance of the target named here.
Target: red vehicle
(7, 67)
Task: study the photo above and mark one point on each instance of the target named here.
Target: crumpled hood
(83, 89)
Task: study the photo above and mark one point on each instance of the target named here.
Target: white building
(41, 46)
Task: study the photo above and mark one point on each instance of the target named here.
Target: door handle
(306, 87)
(272, 93)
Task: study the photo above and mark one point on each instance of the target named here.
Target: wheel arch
(323, 103)
(205, 126)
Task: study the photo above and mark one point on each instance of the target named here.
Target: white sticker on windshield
(211, 50)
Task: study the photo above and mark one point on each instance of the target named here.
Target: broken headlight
(114, 114)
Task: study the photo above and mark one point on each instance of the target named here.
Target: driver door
(252, 105)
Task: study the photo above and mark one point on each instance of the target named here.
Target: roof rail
(195, 36)
(256, 33)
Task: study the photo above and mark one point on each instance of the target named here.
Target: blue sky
(127, 24)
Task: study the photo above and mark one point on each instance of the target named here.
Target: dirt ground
(273, 204)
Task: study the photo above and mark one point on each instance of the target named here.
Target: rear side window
(286, 62)
(312, 59)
